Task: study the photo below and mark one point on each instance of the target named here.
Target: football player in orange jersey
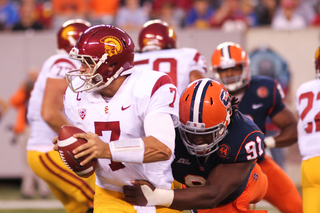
(260, 97)
(215, 156)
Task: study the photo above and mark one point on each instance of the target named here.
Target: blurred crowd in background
(227, 15)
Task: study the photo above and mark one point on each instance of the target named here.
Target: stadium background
(23, 51)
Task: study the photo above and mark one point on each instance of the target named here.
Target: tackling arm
(222, 181)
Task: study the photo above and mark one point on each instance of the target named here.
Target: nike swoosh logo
(124, 108)
(256, 106)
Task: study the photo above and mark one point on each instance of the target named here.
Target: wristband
(158, 197)
(129, 150)
(270, 142)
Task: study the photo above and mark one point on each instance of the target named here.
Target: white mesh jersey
(308, 106)
(177, 63)
(122, 117)
(41, 134)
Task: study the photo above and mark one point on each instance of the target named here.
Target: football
(66, 144)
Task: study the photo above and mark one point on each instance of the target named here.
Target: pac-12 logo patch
(224, 151)
(82, 113)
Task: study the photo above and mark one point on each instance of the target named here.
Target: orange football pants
(282, 192)
(255, 190)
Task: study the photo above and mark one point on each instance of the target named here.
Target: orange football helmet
(317, 62)
(205, 110)
(228, 55)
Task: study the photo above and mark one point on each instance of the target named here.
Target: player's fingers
(143, 182)
(81, 150)
(81, 135)
(55, 140)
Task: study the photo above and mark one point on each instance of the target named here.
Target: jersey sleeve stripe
(146, 61)
(61, 60)
(274, 97)
(196, 57)
(235, 159)
(165, 79)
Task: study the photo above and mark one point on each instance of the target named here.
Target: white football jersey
(177, 63)
(41, 134)
(122, 117)
(308, 105)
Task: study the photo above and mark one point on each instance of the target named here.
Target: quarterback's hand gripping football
(94, 148)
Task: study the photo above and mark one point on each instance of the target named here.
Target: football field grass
(12, 202)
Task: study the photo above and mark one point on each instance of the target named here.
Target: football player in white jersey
(129, 116)
(157, 51)
(46, 116)
(308, 105)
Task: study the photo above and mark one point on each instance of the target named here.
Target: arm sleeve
(160, 126)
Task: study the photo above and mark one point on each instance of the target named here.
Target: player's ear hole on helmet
(112, 66)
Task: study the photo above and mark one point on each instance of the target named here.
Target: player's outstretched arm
(286, 121)
(222, 181)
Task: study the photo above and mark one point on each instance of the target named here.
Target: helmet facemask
(92, 80)
(234, 83)
(212, 135)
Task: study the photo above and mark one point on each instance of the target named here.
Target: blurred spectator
(28, 17)
(44, 13)
(9, 14)
(21, 130)
(248, 10)
(306, 9)
(131, 15)
(265, 11)
(171, 14)
(288, 18)
(229, 17)
(64, 10)
(215, 4)
(316, 20)
(101, 12)
(171, 11)
(199, 15)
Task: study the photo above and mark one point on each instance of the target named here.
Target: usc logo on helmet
(68, 31)
(112, 45)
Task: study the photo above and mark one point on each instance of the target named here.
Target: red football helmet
(228, 55)
(69, 33)
(205, 110)
(108, 51)
(156, 35)
(317, 62)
